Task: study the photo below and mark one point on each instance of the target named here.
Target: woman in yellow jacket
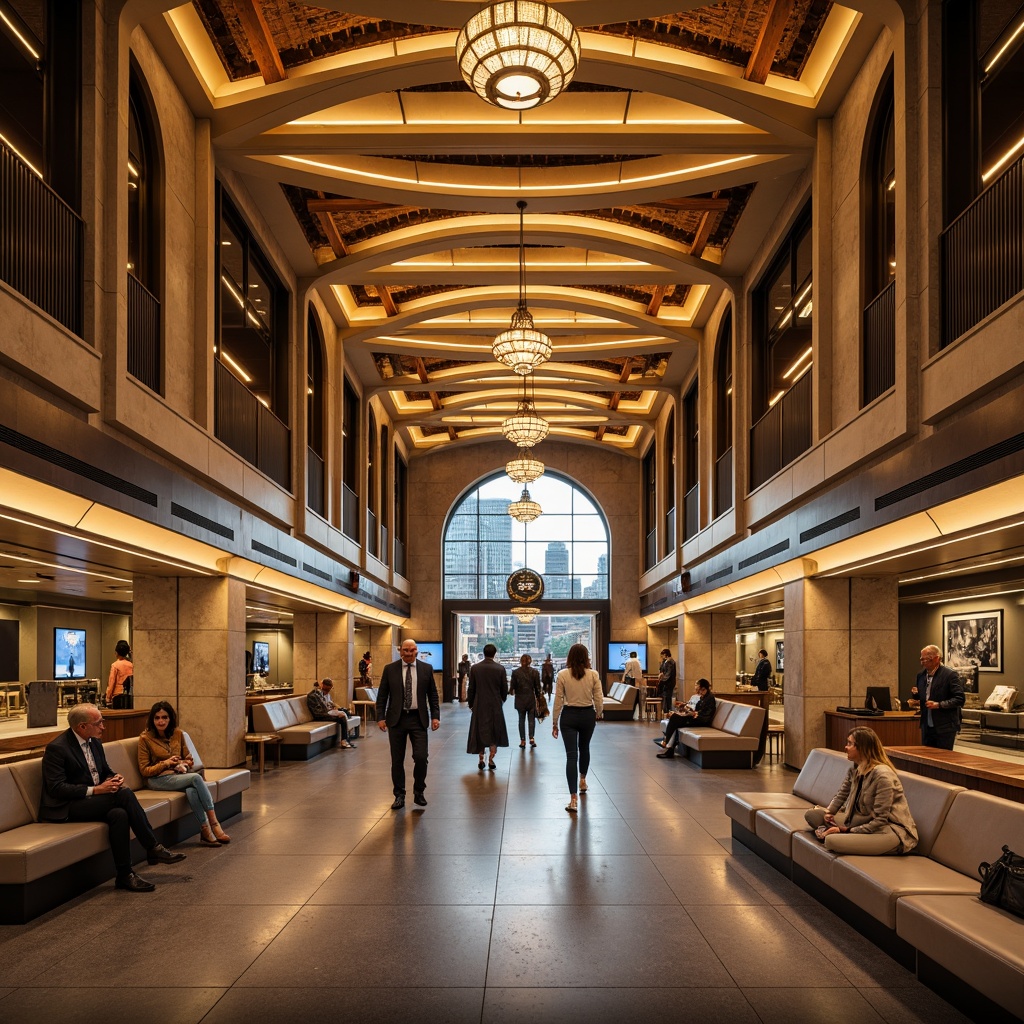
(166, 764)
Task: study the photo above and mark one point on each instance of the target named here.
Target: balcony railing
(670, 527)
(249, 428)
(385, 554)
(40, 243)
(982, 255)
(349, 512)
(880, 344)
(782, 433)
(691, 512)
(723, 483)
(315, 482)
(400, 557)
(143, 334)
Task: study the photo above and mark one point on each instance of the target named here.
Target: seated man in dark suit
(323, 709)
(79, 785)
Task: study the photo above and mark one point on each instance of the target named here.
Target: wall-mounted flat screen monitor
(618, 654)
(68, 653)
(879, 698)
(432, 652)
(261, 657)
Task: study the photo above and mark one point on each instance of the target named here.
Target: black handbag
(1002, 883)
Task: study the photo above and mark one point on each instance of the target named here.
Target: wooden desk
(120, 724)
(985, 774)
(894, 728)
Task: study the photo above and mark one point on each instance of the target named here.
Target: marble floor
(490, 905)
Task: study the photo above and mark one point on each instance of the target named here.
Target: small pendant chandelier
(522, 347)
(518, 54)
(523, 469)
(525, 510)
(525, 428)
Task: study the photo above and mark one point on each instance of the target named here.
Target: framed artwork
(973, 638)
(780, 660)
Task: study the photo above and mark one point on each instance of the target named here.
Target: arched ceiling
(392, 188)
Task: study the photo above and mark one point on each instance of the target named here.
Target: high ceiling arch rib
(652, 186)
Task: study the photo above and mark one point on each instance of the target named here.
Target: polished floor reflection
(490, 905)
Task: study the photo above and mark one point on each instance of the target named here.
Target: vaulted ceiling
(650, 186)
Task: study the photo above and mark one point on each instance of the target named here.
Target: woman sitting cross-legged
(869, 814)
(166, 764)
(685, 717)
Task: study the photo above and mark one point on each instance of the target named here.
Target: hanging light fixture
(525, 510)
(518, 54)
(525, 427)
(524, 614)
(521, 347)
(523, 469)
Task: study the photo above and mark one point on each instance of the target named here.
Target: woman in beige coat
(869, 814)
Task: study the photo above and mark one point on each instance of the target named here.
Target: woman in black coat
(525, 687)
(488, 688)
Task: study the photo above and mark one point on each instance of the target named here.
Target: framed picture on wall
(973, 638)
(780, 659)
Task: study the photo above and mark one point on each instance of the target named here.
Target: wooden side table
(259, 740)
(652, 709)
(363, 708)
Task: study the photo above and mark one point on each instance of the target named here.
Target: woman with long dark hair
(869, 814)
(166, 764)
(579, 703)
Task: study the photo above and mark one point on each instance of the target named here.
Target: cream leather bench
(302, 737)
(620, 703)
(734, 739)
(922, 909)
(44, 864)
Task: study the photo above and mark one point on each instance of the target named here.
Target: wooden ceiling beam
(659, 293)
(385, 297)
(692, 205)
(347, 205)
(261, 42)
(767, 46)
(330, 229)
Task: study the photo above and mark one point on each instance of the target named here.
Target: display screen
(260, 657)
(432, 654)
(68, 653)
(618, 654)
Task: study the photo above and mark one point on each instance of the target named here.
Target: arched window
(383, 452)
(142, 180)
(315, 388)
(650, 506)
(372, 485)
(723, 416)
(691, 463)
(568, 545)
(878, 371)
(668, 477)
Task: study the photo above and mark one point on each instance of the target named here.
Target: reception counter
(894, 728)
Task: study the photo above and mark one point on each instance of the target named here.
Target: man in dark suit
(942, 696)
(404, 697)
(762, 671)
(79, 785)
(667, 680)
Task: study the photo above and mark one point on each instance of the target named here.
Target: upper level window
(141, 181)
(650, 507)
(350, 441)
(252, 314)
(723, 416)
(1001, 71)
(567, 545)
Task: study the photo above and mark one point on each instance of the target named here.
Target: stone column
(841, 635)
(707, 650)
(323, 645)
(188, 638)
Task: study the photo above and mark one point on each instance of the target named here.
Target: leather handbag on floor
(1002, 882)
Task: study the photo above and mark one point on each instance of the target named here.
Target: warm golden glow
(971, 597)
(1004, 159)
(800, 360)
(32, 51)
(518, 54)
(235, 367)
(21, 156)
(1002, 49)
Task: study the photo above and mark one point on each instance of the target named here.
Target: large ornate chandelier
(518, 54)
(523, 469)
(525, 428)
(525, 510)
(521, 347)
(524, 614)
